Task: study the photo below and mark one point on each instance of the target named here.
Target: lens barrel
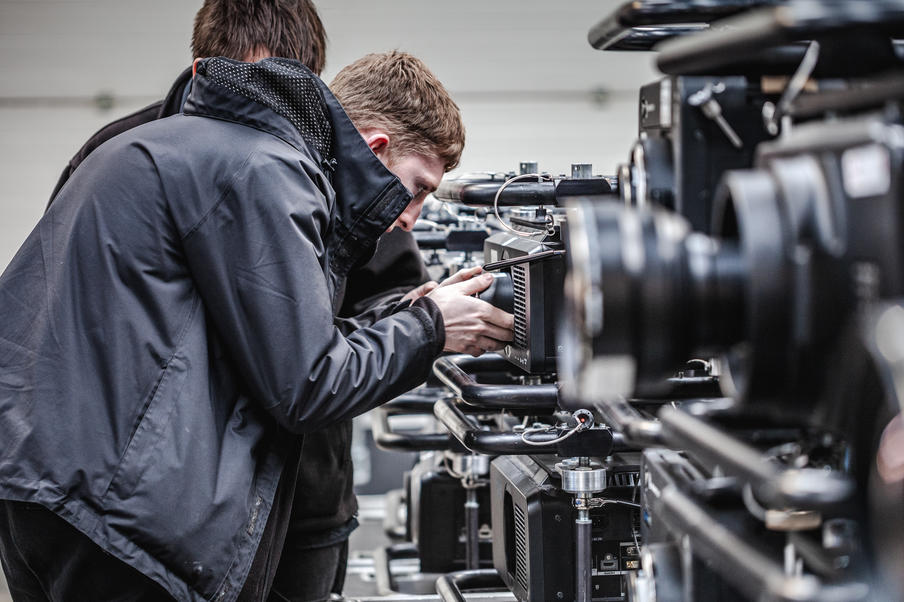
(644, 293)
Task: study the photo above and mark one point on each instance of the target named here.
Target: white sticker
(866, 171)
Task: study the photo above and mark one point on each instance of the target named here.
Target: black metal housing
(533, 533)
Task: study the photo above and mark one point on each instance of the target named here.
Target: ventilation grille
(520, 547)
(623, 479)
(519, 285)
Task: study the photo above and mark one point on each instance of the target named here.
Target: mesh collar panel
(286, 87)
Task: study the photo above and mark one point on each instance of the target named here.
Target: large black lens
(643, 295)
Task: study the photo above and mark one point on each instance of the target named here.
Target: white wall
(521, 70)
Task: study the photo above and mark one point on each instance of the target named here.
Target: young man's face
(420, 175)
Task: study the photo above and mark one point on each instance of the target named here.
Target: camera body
(436, 517)
(799, 242)
(533, 540)
(691, 130)
(536, 299)
(733, 319)
(782, 258)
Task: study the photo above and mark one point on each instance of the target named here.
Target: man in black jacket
(323, 517)
(167, 332)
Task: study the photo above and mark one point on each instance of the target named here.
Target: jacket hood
(286, 99)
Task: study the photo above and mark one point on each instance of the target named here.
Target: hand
(472, 326)
(417, 293)
(428, 287)
(462, 275)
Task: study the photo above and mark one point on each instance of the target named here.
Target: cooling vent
(520, 547)
(622, 479)
(519, 285)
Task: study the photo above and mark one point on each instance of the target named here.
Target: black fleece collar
(284, 98)
(175, 98)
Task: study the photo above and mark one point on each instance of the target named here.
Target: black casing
(538, 288)
(436, 518)
(685, 153)
(533, 532)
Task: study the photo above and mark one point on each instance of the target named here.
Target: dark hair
(397, 92)
(238, 29)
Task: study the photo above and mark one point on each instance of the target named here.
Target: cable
(540, 178)
(605, 502)
(546, 429)
(753, 507)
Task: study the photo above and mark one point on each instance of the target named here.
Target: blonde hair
(396, 92)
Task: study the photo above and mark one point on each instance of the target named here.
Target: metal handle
(767, 29)
(450, 586)
(450, 370)
(383, 557)
(496, 443)
(641, 25)
(388, 439)
(481, 441)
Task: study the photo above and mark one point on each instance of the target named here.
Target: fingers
(420, 291)
(501, 318)
(485, 344)
(474, 285)
(490, 344)
(498, 334)
(482, 346)
(462, 275)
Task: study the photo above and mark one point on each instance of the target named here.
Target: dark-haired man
(167, 330)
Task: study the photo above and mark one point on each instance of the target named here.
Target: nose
(409, 217)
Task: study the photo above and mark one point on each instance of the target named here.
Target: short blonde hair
(395, 91)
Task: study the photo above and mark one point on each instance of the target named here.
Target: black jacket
(168, 325)
(318, 516)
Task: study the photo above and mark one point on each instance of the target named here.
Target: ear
(378, 141)
(194, 65)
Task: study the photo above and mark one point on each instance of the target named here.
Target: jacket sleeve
(371, 315)
(258, 258)
(396, 267)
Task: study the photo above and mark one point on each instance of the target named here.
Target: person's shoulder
(115, 128)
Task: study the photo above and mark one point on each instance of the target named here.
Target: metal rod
(472, 530)
(740, 563)
(773, 484)
(582, 538)
(635, 429)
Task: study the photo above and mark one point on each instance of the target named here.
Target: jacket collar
(175, 98)
(284, 98)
